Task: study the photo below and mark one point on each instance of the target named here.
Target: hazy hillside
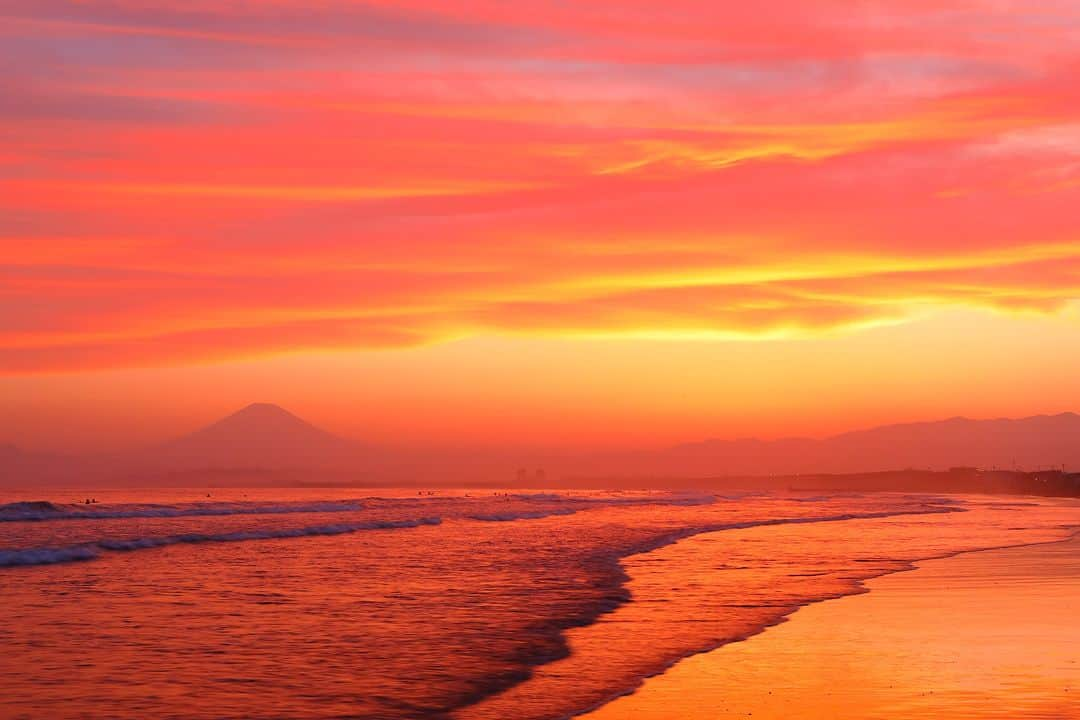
(1033, 442)
(280, 447)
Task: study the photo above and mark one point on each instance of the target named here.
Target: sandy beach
(990, 634)
(148, 604)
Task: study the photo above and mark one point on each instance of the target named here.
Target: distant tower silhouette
(522, 475)
(541, 476)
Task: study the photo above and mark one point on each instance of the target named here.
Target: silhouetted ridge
(260, 435)
(1039, 441)
(253, 444)
(265, 419)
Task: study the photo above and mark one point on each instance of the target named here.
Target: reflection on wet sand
(983, 635)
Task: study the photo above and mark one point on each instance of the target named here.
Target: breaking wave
(47, 556)
(529, 515)
(90, 551)
(40, 510)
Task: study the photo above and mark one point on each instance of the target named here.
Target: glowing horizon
(650, 218)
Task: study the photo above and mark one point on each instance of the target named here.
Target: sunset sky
(593, 223)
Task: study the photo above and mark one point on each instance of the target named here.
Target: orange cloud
(192, 182)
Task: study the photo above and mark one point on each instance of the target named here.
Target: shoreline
(757, 674)
(494, 704)
(616, 640)
(861, 587)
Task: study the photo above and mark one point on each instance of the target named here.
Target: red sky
(535, 222)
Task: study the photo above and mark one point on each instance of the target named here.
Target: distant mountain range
(266, 438)
(1028, 443)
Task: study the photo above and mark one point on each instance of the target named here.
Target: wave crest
(41, 510)
(90, 551)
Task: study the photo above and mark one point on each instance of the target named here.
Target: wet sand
(990, 634)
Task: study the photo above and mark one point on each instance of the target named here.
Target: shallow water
(988, 635)
(319, 604)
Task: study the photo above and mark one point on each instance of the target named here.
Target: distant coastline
(265, 445)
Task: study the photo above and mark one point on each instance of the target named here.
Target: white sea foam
(41, 510)
(47, 556)
(90, 551)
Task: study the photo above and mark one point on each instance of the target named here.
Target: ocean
(315, 603)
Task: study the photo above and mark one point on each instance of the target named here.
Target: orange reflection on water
(984, 635)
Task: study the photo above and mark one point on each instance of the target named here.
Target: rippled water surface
(325, 604)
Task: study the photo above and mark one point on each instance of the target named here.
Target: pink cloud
(368, 175)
